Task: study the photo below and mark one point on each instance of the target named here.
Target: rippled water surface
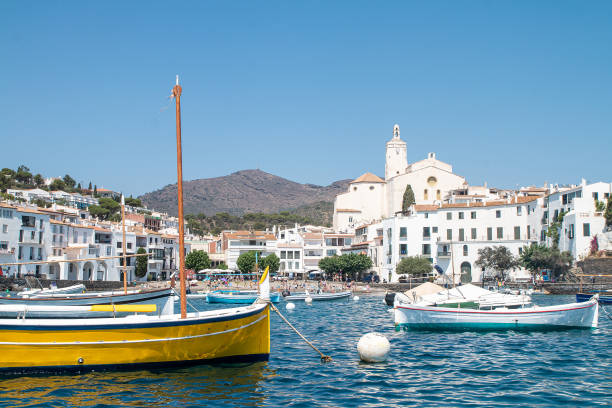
(561, 368)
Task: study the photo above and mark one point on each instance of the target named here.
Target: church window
(371, 187)
(432, 181)
(438, 195)
(354, 188)
(425, 194)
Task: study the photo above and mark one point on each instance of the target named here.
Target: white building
(369, 198)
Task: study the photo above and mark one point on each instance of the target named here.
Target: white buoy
(308, 300)
(373, 348)
(355, 298)
(290, 306)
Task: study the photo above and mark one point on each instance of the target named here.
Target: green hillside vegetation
(314, 214)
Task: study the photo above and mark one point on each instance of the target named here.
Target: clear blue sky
(512, 93)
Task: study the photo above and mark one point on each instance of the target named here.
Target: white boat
(318, 296)
(465, 296)
(90, 299)
(572, 315)
(79, 288)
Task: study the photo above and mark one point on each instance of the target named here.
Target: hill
(246, 191)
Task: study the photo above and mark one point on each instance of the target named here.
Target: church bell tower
(397, 155)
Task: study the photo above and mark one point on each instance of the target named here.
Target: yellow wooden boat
(228, 335)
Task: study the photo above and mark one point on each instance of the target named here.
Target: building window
(426, 233)
(289, 254)
(473, 233)
(519, 210)
(108, 250)
(473, 215)
(490, 234)
(460, 215)
(461, 234)
(296, 255)
(75, 237)
(449, 234)
(517, 232)
(570, 233)
(403, 233)
(498, 214)
(586, 229)
(331, 252)
(426, 249)
(425, 194)
(434, 230)
(449, 216)
(118, 244)
(129, 245)
(31, 252)
(500, 232)
(32, 235)
(465, 250)
(595, 196)
(350, 219)
(438, 195)
(403, 249)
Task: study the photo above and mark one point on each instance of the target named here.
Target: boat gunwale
(118, 295)
(129, 322)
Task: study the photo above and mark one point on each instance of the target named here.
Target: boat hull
(231, 335)
(319, 296)
(574, 315)
(604, 299)
(116, 299)
(237, 298)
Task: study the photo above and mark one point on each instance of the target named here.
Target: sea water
(449, 369)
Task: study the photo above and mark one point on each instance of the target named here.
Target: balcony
(444, 254)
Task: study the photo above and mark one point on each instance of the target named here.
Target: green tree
(141, 263)
(349, 264)
(197, 260)
(98, 212)
(535, 257)
(70, 182)
(39, 181)
(497, 258)
(23, 175)
(222, 266)
(414, 265)
(608, 213)
(246, 262)
(408, 199)
(58, 184)
(134, 202)
(95, 192)
(271, 261)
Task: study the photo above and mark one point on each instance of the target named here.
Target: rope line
(604, 310)
(324, 358)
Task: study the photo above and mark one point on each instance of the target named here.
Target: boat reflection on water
(232, 385)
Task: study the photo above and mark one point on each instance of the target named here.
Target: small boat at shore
(88, 299)
(573, 315)
(605, 297)
(78, 288)
(318, 296)
(237, 296)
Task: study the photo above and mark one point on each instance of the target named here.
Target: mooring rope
(604, 310)
(324, 358)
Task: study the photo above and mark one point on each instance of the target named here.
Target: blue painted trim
(200, 320)
(71, 369)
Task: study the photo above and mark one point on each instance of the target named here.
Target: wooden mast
(124, 253)
(176, 93)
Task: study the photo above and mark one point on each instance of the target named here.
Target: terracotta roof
(102, 229)
(7, 205)
(368, 178)
(310, 235)
(339, 235)
(27, 210)
(347, 210)
(425, 207)
(249, 235)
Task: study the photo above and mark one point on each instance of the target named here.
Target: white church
(370, 198)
